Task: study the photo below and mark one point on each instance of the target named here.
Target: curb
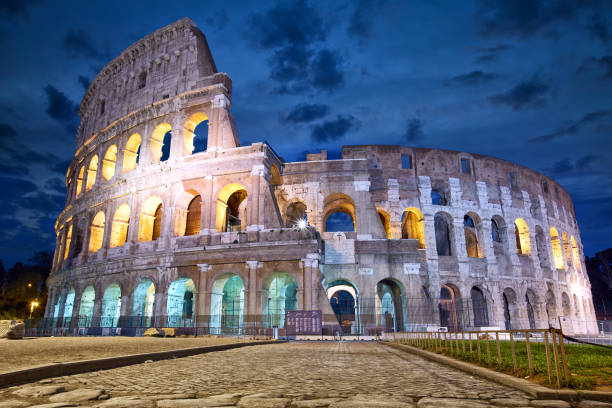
(520, 384)
(85, 366)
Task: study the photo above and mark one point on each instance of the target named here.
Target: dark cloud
(84, 81)
(16, 187)
(485, 59)
(414, 131)
(573, 127)
(325, 70)
(497, 48)
(566, 165)
(491, 54)
(17, 8)
(61, 167)
(360, 20)
(78, 43)
(6, 132)
(586, 162)
(525, 18)
(57, 185)
(334, 129)
(44, 203)
(306, 113)
(562, 166)
(603, 64)
(598, 27)
(62, 109)
(526, 93)
(472, 78)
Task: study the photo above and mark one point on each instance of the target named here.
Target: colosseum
(171, 222)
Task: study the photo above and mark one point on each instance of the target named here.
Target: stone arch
(194, 142)
(531, 300)
(160, 142)
(111, 306)
(68, 307)
(472, 229)
(343, 297)
(576, 307)
(143, 300)
(119, 228)
(498, 235)
(227, 304)
(450, 307)
(278, 296)
(86, 307)
(521, 233)
(180, 303)
(338, 203)
(187, 213)
(565, 305)
(131, 153)
(79, 185)
(390, 303)
(109, 162)
(479, 307)
(68, 241)
(385, 220)
(541, 246)
(511, 313)
(555, 243)
(149, 226)
(444, 234)
(231, 208)
(92, 172)
(275, 176)
(413, 225)
(295, 212)
(567, 251)
(576, 255)
(551, 308)
(96, 234)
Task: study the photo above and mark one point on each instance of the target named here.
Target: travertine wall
(373, 184)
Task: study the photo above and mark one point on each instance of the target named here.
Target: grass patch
(590, 367)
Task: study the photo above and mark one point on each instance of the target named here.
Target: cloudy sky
(528, 81)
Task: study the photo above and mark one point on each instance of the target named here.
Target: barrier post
(548, 369)
(513, 351)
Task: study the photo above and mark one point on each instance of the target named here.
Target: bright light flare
(301, 224)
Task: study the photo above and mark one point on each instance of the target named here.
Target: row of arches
(195, 140)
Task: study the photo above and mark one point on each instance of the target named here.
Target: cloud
(334, 129)
(84, 81)
(491, 54)
(325, 70)
(17, 8)
(78, 43)
(6, 132)
(360, 20)
(586, 162)
(306, 113)
(497, 48)
(593, 63)
(573, 127)
(485, 59)
(566, 165)
(598, 27)
(62, 109)
(414, 130)
(473, 78)
(16, 187)
(526, 93)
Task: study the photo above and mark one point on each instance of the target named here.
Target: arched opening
(530, 300)
(196, 133)
(521, 232)
(68, 306)
(565, 304)
(231, 208)
(79, 186)
(111, 306)
(67, 243)
(108, 163)
(471, 223)
(92, 171)
(227, 304)
(279, 296)
(194, 212)
(339, 213)
(438, 197)
(449, 308)
(576, 254)
(555, 243)
(180, 303)
(385, 220)
(87, 306)
(344, 300)
(96, 234)
(187, 213)
(121, 223)
(551, 308)
(390, 299)
(479, 307)
(567, 249)
(413, 226)
(295, 213)
(143, 301)
(443, 234)
(498, 235)
(160, 142)
(510, 308)
(131, 154)
(275, 176)
(541, 246)
(149, 227)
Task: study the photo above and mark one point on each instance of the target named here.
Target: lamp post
(33, 304)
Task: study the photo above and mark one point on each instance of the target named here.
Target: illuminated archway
(472, 232)
(231, 208)
(521, 232)
(227, 304)
(279, 296)
(87, 306)
(275, 176)
(68, 307)
(294, 213)
(149, 227)
(180, 302)
(334, 206)
(577, 263)
(109, 162)
(119, 229)
(96, 234)
(111, 306)
(390, 303)
(67, 242)
(343, 297)
(79, 185)
(196, 133)
(556, 248)
(131, 154)
(567, 249)
(160, 142)
(143, 301)
(92, 171)
(413, 225)
(385, 220)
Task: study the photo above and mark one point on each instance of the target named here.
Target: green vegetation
(590, 367)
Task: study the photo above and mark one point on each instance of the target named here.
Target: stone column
(97, 311)
(203, 297)
(49, 305)
(62, 304)
(76, 307)
(310, 263)
(254, 223)
(251, 311)
(207, 218)
(166, 232)
(124, 315)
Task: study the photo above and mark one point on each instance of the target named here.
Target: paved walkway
(281, 375)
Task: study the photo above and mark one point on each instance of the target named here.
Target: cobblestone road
(338, 374)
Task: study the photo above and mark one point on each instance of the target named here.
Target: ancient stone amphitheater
(170, 222)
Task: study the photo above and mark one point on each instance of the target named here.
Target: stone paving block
(256, 402)
(55, 405)
(594, 404)
(37, 391)
(314, 403)
(13, 404)
(374, 402)
(157, 397)
(80, 394)
(127, 402)
(550, 404)
(196, 403)
(510, 402)
(451, 403)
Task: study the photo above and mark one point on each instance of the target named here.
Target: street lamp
(32, 306)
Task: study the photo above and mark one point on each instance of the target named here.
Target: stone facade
(154, 229)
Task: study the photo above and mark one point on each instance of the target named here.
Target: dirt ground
(31, 352)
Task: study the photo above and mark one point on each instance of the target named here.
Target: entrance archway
(280, 295)
(142, 308)
(449, 308)
(390, 299)
(87, 306)
(344, 300)
(180, 303)
(111, 306)
(227, 304)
